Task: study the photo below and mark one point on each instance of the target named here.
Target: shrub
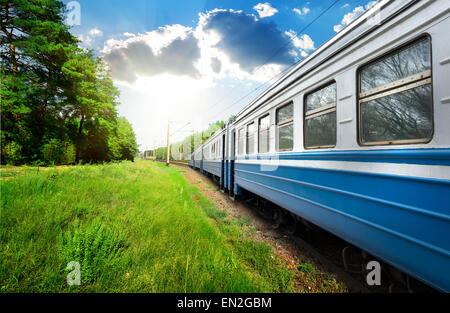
(94, 246)
(12, 153)
(57, 152)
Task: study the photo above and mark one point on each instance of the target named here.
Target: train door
(232, 154)
(222, 162)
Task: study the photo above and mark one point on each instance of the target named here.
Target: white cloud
(215, 49)
(265, 9)
(171, 50)
(304, 43)
(370, 4)
(345, 6)
(156, 39)
(85, 39)
(338, 28)
(89, 38)
(95, 32)
(351, 16)
(303, 11)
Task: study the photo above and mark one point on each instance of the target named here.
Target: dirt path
(282, 245)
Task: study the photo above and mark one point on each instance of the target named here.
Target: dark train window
(320, 118)
(395, 97)
(264, 134)
(285, 128)
(241, 137)
(251, 138)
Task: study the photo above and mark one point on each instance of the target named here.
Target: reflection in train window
(285, 128)
(395, 99)
(263, 134)
(251, 138)
(241, 137)
(320, 118)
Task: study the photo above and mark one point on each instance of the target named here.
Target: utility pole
(168, 144)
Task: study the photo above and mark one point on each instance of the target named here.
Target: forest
(58, 101)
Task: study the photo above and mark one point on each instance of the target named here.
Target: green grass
(133, 227)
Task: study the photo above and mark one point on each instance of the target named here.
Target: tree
(56, 97)
(123, 144)
(34, 46)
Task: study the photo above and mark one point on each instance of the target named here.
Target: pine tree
(53, 93)
(34, 44)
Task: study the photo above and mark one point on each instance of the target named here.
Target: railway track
(185, 164)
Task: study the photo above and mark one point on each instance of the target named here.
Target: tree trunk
(80, 131)
(12, 47)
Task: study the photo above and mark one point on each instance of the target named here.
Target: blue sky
(191, 61)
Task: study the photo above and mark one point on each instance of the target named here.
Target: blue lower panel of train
(403, 220)
(227, 175)
(213, 167)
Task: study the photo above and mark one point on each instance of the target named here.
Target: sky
(198, 61)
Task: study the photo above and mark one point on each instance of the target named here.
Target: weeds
(94, 246)
(133, 227)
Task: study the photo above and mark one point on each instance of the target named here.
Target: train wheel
(291, 224)
(277, 217)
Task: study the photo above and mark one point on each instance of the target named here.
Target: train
(355, 139)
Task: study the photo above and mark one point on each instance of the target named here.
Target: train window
(395, 97)
(285, 128)
(263, 134)
(241, 135)
(251, 138)
(320, 118)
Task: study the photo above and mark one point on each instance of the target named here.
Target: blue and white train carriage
(213, 156)
(356, 138)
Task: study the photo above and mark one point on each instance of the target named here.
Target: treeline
(58, 102)
(182, 150)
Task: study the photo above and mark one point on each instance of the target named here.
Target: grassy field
(133, 227)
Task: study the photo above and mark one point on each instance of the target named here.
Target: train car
(197, 157)
(356, 139)
(213, 155)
